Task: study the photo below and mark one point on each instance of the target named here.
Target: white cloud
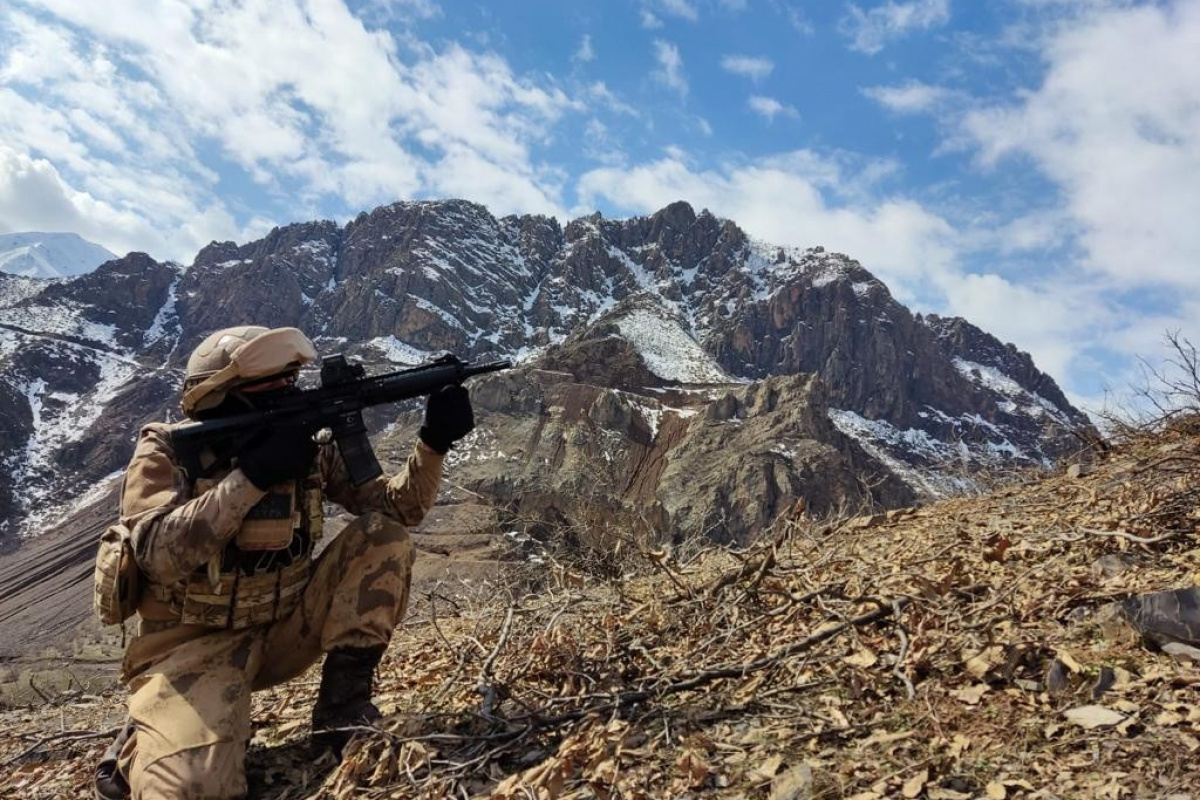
(769, 108)
(599, 92)
(402, 10)
(1115, 124)
(783, 199)
(911, 97)
(670, 67)
(649, 21)
(800, 21)
(34, 196)
(753, 67)
(303, 96)
(585, 51)
(871, 30)
(599, 145)
(679, 8)
(1093, 271)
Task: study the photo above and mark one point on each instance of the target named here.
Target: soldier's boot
(109, 783)
(344, 700)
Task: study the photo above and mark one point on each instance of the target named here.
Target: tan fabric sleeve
(405, 497)
(173, 535)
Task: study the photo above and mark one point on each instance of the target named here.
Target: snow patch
(827, 272)
(669, 352)
(880, 439)
(437, 311)
(167, 315)
(998, 382)
(59, 419)
(399, 352)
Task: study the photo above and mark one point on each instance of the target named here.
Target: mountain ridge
(35, 254)
(404, 282)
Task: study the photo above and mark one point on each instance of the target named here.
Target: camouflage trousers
(190, 694)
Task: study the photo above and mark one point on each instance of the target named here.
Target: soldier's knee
(381, 529)
(209, 772)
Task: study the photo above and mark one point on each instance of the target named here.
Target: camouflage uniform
(190, 684)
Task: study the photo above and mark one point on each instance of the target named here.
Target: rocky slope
(675, 309)
(1020, 645)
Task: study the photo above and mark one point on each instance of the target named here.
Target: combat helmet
(234, 357)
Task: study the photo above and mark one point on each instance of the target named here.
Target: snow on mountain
(923, 462)
(674, 297)
(399, 353)
(1016, 397)
(15, 288)
(49, 255)
(669, 352)
(63, 319)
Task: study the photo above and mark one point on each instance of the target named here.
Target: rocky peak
(215, 253)
(124, 294)
(671, 305)
(988, 362)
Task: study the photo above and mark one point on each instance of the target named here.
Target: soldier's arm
(405, 497)
(173, 535)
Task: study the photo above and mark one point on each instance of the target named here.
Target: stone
(1183, 653)
(793, 784)
(1092, 717)
(1111, 565)
(1058, 677)
(1164, 617)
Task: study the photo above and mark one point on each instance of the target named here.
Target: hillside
(974, 647)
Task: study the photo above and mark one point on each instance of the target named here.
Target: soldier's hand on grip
(278, 455)
(448, 418)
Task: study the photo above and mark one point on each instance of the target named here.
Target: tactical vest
(260, 575)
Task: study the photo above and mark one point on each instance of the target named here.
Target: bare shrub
(1166, 398)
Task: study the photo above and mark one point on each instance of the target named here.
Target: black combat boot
(345, 697)
(109, 783)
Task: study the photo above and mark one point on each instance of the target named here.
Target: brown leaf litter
(968, 649)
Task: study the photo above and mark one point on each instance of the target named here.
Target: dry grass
(904, 654)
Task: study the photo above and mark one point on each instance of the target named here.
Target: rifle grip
(357, 453)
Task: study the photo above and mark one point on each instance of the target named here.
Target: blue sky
(1032, 165)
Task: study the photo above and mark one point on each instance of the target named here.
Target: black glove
(448, 418)
(278, 455)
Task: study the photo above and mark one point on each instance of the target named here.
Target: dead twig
(1132, 537)
(484, 684)
(65, 736)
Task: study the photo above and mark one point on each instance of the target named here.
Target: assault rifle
(337, 404)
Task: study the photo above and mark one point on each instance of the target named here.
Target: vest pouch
(314, 502)
(240, 601)
(270, 523)
(117, 589)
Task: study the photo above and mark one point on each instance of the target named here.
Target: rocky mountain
(675, 374)
(49, 255)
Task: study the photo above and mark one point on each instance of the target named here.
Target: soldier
(233, 598)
